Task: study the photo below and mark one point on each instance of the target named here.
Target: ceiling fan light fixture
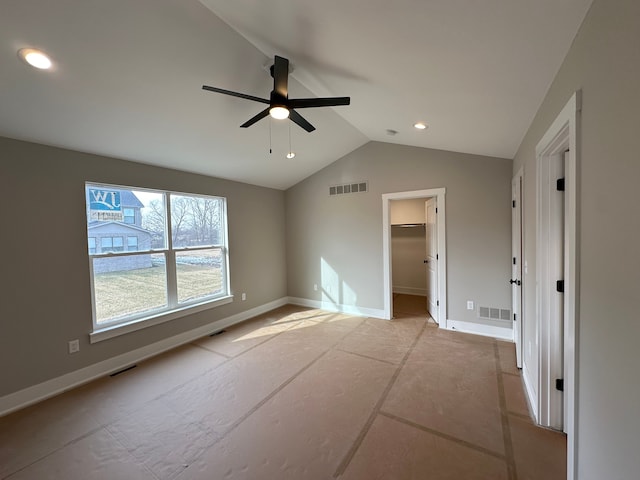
(279, 112)
(291, 155)
(35, 58)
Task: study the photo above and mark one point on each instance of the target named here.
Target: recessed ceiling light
(420, 125)
(35, 58)
(291, 155)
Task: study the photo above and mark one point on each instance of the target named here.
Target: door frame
(519, 205)
(427, 256)
(387, 284)
(561, 136)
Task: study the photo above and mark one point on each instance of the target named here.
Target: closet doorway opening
(414, 253)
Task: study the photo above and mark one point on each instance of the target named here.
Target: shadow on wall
(334, 291)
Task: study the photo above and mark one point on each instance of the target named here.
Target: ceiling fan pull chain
(270, 151)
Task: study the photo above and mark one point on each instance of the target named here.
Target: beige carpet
(296, 394)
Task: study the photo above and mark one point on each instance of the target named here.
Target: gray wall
(46, 298)
(345, 231)
(604, 62)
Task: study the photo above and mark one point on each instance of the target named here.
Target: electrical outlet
(469, 304)
(244, 296)
(315, 287)
(74, 346)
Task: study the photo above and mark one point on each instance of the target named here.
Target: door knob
(425, 261)
(517, 282)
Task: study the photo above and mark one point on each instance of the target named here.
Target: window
(111, 244)
(106, 244)
(132, 244)
(92, 245)
(129, 215)
(172, 262)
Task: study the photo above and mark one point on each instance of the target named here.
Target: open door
(431, 257)
(516, 264)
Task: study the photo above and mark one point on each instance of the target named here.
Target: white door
(431, 258)
(556, 297)
(516, 264)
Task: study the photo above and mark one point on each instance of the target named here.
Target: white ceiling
(127, 77)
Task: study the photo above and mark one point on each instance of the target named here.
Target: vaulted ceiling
(127, 76)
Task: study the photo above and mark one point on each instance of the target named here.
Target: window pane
(118, 211)
(199, 274)
(132, 243)
(129, 215)
(196, 221)
(128, 285)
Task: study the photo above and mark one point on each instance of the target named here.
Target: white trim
(36, 393)
(410, 290)
(112, 331)
(502, 332)
(563, 134)
(439, 193)
(334, 307)
(531, 393)
(518, 213)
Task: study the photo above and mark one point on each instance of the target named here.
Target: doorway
(557, 279)
(437, 234)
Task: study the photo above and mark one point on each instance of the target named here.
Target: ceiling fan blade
(236, 94)
(299, 119)
(318, 102)
(281, 76)
(254, 119)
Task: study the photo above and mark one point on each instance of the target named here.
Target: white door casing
(439, 193)
(517, 278)
(431, 256)
(556, 258)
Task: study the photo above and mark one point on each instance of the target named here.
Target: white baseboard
(410, 290)
(530, 391)
(36, 393)
(495, 331)
(334, 307)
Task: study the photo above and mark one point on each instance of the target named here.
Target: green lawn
(137, 291)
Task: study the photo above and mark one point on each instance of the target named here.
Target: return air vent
(358, 187)
(493, 313)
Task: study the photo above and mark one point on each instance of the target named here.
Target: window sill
(112, 331)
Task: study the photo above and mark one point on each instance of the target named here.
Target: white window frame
(174, 309)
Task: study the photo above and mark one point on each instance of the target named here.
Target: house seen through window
(153, 251)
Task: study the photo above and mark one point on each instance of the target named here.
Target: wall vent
(356, 187)
(493, 313)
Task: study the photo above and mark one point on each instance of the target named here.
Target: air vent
(358, 187)
(493, 313)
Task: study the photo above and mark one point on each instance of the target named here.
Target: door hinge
(513, 204)
(514, 317)
(560, 384)
(437, 256)
(560, 286)
(560, 184)
(514, 260)
(436, 209)
(437, 303)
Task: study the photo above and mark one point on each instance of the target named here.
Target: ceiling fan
(280, 105)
